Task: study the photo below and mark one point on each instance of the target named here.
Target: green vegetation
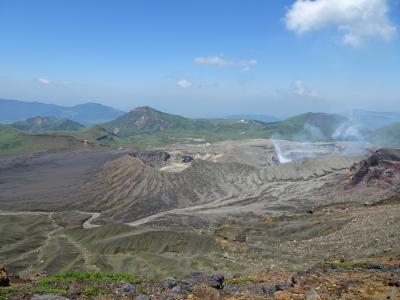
(145, 126)
(39, 288)
(14, 142)
(90, 277)
(38, 124)
(306, 127)
(388, 136)
(11, 140)
(94, 290)
(20, 234)
(142, 290)
(59, 284)
(53, 260)
(241, 280)
(347, 265)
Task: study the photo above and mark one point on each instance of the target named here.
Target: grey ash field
(228, 207)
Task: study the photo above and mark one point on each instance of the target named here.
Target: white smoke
(348, 132)
(282, 158)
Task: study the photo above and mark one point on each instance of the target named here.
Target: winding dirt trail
(84, 252)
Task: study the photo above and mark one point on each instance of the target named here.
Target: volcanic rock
(170, 282)
(4, 280)
(312, 295)
(381, 167)
(216, 281)
(152, 158)
(48, 297)
(128, 288)
(395, 283)
(142, 297)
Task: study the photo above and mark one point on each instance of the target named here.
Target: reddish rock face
(4, 280)
(382, 168)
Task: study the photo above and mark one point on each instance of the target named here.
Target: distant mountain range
(388, 136)
(262, 118)
(147, 122)
(148, 127)
(373, 119)
(38, 124)
(89, 113)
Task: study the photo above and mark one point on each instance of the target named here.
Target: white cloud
(184, 83)
(247, 64)
(44, 81)
(356, 20)
(299, 88)
(214, 61)
(220, 61)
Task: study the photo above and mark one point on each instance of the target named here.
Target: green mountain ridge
(150, 122)
(40, 124)
(15, 142)
(388, 136)
(147, 127)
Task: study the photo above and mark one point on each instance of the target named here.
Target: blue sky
(203, 58)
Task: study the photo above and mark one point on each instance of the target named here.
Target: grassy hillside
(14, 142)
(388, 136)
(306, 127)
(147, 126)
(41, 124)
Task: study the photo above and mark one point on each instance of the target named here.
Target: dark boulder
(177, 289)
(195, 278)
(187, 159)
(281, 286)
(395, 283)
(170, 282)
(216, 281)
(372, 266)
(295, 279)
(129, 288)
(4, 280)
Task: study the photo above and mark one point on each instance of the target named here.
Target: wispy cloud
(355, 20)
(184, 83)
(43, 81)
(219, 61)
(300, 89)
(213, 61)
(247, 64)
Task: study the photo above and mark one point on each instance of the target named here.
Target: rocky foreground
(375, 278)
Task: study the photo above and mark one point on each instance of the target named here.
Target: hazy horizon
(222, 113)
(204, 59)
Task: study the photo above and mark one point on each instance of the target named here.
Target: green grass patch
(40, 288)
(94, 290)
(142, 290)
(90, 276)
(6, 291)
(347, 265)
(240, 281)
